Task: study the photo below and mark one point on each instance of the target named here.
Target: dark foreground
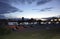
(32, 35)
(39, 32)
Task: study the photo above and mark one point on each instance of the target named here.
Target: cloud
(2, 17)
(47, 9)
(30, 1)
(6, 8)
(20, 11)
(44, 9)
(40, 2)
(5, 1)
(5, 5)
(22, 1)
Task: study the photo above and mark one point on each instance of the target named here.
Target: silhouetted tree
(32, 21)
(39, 21)
(19, 22)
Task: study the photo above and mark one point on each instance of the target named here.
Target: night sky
(29, 8)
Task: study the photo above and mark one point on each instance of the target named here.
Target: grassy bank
(32, 35)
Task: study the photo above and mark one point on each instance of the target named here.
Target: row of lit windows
(55, 19)
(49, 23)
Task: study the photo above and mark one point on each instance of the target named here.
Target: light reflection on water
(24, 23)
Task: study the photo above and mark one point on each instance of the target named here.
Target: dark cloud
(47, 9)
(29, 1)
(20, 11)
(5, 5)
(26, 1)
(22, 1)
(2, 17)
(40, 2)
(5, 1)
(44, 9)
(6, 8)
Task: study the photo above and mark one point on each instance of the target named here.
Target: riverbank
(42, 34)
